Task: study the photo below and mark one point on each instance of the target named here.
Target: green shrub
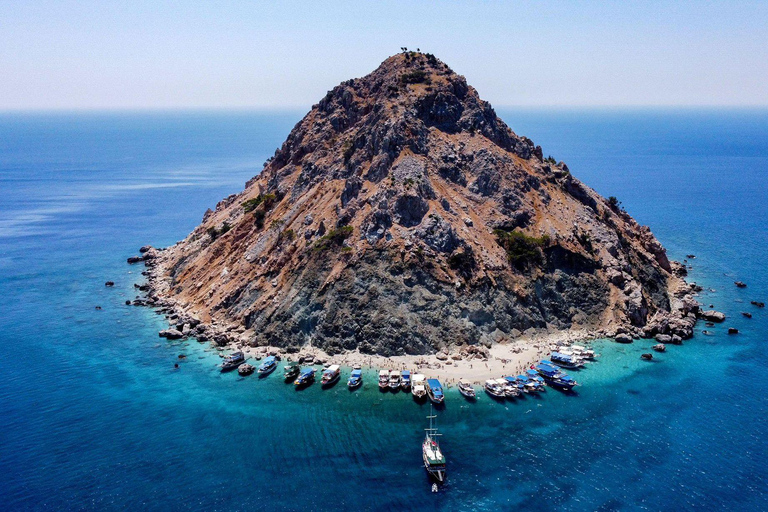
(463, 261)
(349, 149)
(252, 204)
(522, 250)
(215, 233)
(586, 241)
(268, 200)
(258, 217)
(417, 76)
(334, 237)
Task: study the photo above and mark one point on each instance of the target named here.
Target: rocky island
(403, 217)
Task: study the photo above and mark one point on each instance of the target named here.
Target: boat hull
(329, 382)
(263, 372)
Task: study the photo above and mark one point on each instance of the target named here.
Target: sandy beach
(509, 358)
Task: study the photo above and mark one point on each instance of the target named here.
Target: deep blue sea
(93, 415)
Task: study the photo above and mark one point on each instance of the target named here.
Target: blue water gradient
(93, 415)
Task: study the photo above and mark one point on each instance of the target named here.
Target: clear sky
(172, 54)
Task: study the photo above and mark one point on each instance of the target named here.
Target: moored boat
(232, 361)
(394, 380)
(514, 388)
(383, 379)
(583, 352)
(330, 375)
(418, 386)
(535, 377)
(435, 391)
(529, 385)
(554, 377)
(291, 371)
(355, 378)
(434, 460)
(466, 389)
(566, 360)
(306, 377)
(405, 380)
(495, 388)
(267, 366)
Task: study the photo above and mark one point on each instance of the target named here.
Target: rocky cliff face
(401, 215)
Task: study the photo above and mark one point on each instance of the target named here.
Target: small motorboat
(330, 375)
(267, 366)
(467, 390)
(355, 378)
(232, 361)
(291, 371)
(246, 369)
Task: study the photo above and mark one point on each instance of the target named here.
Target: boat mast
(432, 431)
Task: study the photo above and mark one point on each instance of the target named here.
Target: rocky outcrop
(402, 216)
(712, 316)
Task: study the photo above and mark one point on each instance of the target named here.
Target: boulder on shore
(712, 316)
(171, 334)
(623, 338)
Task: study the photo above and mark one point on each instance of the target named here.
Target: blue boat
(405, 380)
(555, 377)
(268, 366)
(306, 377)
(435, 391)
(535, 377)
(529, 385)
(514, 384)
(355, 378)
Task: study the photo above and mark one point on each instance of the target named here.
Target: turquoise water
(94, 416)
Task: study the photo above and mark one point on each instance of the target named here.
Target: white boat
(466, 389)
(418, 385)
(434, 460)
(583, 352)
(495, 388)
(383, 379)
(394, 380)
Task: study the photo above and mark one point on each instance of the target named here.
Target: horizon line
(306, 108)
